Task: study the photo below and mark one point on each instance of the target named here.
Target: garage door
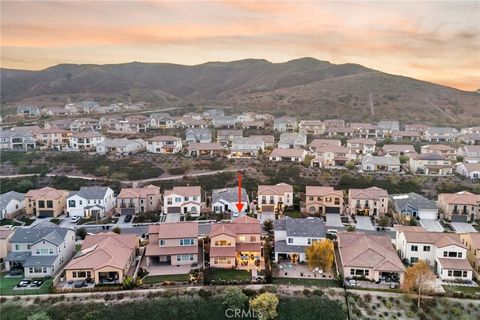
(45, 213)
(459, 218)
(128, 211)
(332, 210)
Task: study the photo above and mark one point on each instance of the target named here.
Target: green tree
(404, 159)
(81, 233)
(384, 221)
(460, 158)
(268, 226)
(39, 316)
(117, 230)
(265, 305)
(350, 165)
(234, 298)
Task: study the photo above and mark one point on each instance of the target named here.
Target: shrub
(307, 292)
(108, 297)
(368, 297)
(205, 293)
(318, 292)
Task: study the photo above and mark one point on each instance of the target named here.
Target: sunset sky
(433, 41)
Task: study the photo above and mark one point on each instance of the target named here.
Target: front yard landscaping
(217, 275)
(460, 291)
(7, 222)
(308, 282)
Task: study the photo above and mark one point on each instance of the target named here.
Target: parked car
(75, 219)
(79, 284)
(16, 272)
(128, 218)
(351, 283)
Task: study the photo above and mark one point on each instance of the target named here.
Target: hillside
(306, 86)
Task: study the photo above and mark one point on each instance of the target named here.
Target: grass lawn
(27, 220)
(308, 282)
(228, 274)
(8, 283)
(162, 278)
(55, 220)
(294, 214)
(5, 222)
(78, 247)
(465, 290)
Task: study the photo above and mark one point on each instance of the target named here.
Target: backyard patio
(294, 270)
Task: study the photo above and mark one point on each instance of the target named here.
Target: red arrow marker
(239, 204)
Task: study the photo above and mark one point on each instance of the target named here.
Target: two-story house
(472, 241)
(57, 139)
(332, 156)
(246, 147)
(183, 200)
(225, 201)
(162, 121)
(219, 121)
(86, 140)
(133, 124)
(441, 149)
(371, 201)
(237, 244)
(470, 153)
(430, 163)
(313, 127)
(398, 150)
(226, 136)
(17, 140)
(318, 143)
(173, 244)
(413, 136)
(362, 146)
(274, 198)
(132, 201)
(323, 200)
(10, 204)
(469, 170)
(45, 202)
(440, 134)
(443, 251)
(198, 135)
(291, 140)
(28, 111)
(40, 250)
(285, 124)
(164, 145)
(293, 236)
(462, 206)
(92, 201)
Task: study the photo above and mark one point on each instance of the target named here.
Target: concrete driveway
(334, 220)
(364, 223)
(462, 227)
(431, 225)
(173, 217)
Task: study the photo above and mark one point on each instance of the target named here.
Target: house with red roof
(462, 206)
(132, 201)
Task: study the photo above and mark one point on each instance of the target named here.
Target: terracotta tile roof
(278, 189)
(401, 228)
(211, 146)
(164, 138)
(461, 197)
(102, 250)
(242, 225)
(322, 191)
(187, 191)
(5, 233)
(439, 239)
(175, 230)
(222, 252)
(86, 134)
(474, 239)
(46, 192)
(316, 143)
(457, 264)
(156, 250)
(372, 193)
(127, 193)
(440, 147)
(278, 152)
(252, 247)
(406, 148)
(334, 149)
(362, 141)
(368, 251)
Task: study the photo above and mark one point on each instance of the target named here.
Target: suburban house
(206, 149)
(472, 241)
(28, 111)
(369, 256)
(17, 140)
(381, 163)
(461, 206)
(334, 123)
(5, 245)
(246, 147)
(274, 198)
(245, 117)
(54, 111)
(222, 121)
(133, 124)
(362, 146)
(10, 204)
(469, 170)
(339, 132)
(85, 124)
(323, 200)
(285, 124)
(430, 163)
(86, 140)
(287, 155)
(226, 136)
(415, 206)
(368, 131)
(413, 136)
(209, 114)
(199, 135)
(389, 125)
(441, 149)
(317, 143)
(441, 134)
(252, 124)
(237, 244)
(225, 200)
(191, 122)
(470, 138)
(314, 127)
(290, 140)
(121, 146)
(164, 144)
(57, 139)
(293, 236)
(90, 202)
(174, 244)
(132, 201)
(332, 156)
(183, 200)
(371, 201)
(443, 251)
(45, 202)
(269, 140)
(470, 153)
(398, 150)
(40, 250)
(162, 121)
(417, 127)
(105, 258)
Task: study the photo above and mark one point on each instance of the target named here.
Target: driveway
(364, 223)
(334, 220)
(172, 217)
(462, 227)
(431, 225)
(121, 220)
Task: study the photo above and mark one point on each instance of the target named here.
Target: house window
(178, 199)
(309, 241)
(413, 259)
(71, 203)
(184, 257)
(253, 238)
(414, 248)
(290, 240)
(186, 242)
(161, 242)
(49, 204)
(74, 274)
(426, 248)
(41, 204)
(241, 238)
